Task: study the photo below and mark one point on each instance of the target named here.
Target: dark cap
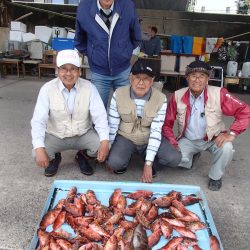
(198, 66)
(143, 67)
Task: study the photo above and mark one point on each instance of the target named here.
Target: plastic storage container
(246, 69)
(232, 68)
(62, 43)
(103, 191)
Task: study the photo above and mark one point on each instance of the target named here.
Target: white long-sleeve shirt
(41, 113)
(155, 128)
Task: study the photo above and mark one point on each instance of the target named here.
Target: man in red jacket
(198, 110)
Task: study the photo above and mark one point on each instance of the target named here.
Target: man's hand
(147, 175)
(223, 138)
(42, 158)
(103, 151)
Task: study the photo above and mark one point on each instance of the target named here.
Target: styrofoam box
(18, 26)
(27, 37)
(43, 33)
(104, 190)
(36, 50)
(62, 33)
(16, 36)
(71, 35)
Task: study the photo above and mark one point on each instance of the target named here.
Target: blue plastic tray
(104, 189)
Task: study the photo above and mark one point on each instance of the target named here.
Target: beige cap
(68, 56)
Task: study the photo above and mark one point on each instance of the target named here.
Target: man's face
(68, 74)
(152, 34)
(106, 4)
(197, 81)
(141, 83)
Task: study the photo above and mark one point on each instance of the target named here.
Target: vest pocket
(126, 114)
(126, 127)
(148, 118)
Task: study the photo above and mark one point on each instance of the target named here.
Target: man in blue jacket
(107, 31)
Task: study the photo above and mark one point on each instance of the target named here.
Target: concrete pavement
(24, 189)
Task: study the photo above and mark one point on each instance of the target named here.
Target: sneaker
(82, 160)
(214, 185)
(120, 171)
(53, 166)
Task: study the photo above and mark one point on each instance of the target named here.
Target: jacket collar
(95, 10)
(186, 96)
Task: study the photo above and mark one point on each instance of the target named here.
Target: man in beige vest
(65, 110)
(198, 110)
(136, 115)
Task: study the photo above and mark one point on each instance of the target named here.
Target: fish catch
(130, 221)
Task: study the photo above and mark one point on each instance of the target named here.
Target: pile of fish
(132, 221)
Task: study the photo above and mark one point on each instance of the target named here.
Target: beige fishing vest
(63, 124)
(213, 111)
(137, 129)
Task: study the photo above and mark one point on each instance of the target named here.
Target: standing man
(198, 110)
(136, 116)
(62, 120)
(107, 32)
(152, 47)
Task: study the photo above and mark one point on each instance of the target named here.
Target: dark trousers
(122, 150)
(167, 156)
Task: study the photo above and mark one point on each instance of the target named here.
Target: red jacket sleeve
(167, 128)
(231, 106)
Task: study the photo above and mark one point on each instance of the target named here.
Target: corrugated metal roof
(175, 5)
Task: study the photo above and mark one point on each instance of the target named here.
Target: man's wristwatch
(232, 133)
(148, 163)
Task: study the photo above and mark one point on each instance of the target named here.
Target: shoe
(214, 185)
(53, 166)
(85, 168)
(120, 171)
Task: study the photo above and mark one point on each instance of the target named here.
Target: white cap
(68, 56)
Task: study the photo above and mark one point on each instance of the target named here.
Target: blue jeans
(104, 83)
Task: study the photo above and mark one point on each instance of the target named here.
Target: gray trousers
(122, 150)
(221, 156)
(89, 141)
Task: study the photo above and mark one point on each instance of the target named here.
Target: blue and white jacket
(108, 51)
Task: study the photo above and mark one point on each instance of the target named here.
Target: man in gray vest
(65, 110)
(136, 116)
(198, 110)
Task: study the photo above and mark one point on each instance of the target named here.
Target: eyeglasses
(65, 70)
(146, 80)
(194, 77)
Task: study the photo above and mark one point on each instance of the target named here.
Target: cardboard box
(18, 26)
(43, 33)
(58, 32)
(16, 36)
(27, 37)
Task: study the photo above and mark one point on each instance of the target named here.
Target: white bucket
(246, 69)
(232, 68)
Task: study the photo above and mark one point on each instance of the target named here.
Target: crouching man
(62, 120)
(198, 110)
(136, 115)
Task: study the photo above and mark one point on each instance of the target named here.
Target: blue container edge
(141, 186)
